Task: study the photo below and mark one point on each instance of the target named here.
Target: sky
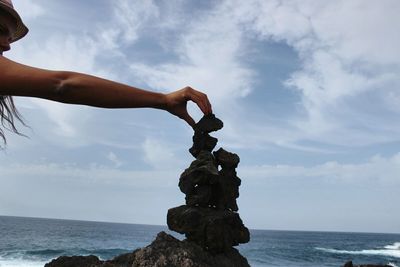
(309, 93)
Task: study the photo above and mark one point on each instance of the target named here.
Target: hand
(176, 103)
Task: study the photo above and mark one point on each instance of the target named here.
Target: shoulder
(4, 61)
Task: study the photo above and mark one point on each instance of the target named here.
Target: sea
(31, 242)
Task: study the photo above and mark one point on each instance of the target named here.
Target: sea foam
(389, 250)
(20, 263)
(395, 246)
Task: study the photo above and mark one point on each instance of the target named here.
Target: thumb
(188, 119)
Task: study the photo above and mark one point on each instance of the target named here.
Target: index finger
(202, 101)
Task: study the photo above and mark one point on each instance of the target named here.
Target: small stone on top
(209, 123)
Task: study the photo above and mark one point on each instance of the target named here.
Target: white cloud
(343, 67)
(376, 171)
(72, 51)
(160, 155)
(60, 116)
(350, 65)
(63, 52)
(114, 159)
(130, 17)
(91, 193)
(104, 193)
(209, 50)
(348, 78)
(28, 9)
(87, 175)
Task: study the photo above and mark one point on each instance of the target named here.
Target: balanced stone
(209, 123)
(201, 138)
(211, 186)
(229, 182)
(214, 230)
(198, 180)
(202, 141)
(226, 159)
(209, 219)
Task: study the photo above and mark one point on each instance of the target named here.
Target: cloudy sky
(309, 92)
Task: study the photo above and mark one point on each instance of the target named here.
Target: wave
(395, 246)
(34, 258)
(45, 252)
(389, 250)
(57, 252)
(20, 263)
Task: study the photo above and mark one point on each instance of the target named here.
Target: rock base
(350, 264)
(214, 230)
(164, 251)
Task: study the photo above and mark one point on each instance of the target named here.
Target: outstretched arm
(77, 88)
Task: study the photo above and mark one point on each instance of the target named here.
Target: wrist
(161, 101)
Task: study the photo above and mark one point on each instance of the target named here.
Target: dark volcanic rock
(75, 261)
(202, 141)
(169, 251)
(165, 251)
(215, 230)
(229, 182)
(205, 186)
(209, 219)
(201, 138)
(209, 123)
(198, 181)
(350, 264)
(226, 160)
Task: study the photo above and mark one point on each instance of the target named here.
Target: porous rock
(208, 123)
(201, 138)
(214, 230)
(199, 180)
(169, 251)
(202, 141)
(74, 261)
(164, 251)
(228, 181)
(350, 264)
(227, 160)
(211, 186)
(209, 219)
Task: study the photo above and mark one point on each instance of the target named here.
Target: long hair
(8, 114)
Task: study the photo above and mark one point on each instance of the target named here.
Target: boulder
(350, 264)
(214, 230)
(75, 261)
(165, 250)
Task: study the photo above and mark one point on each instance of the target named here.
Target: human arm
(77, 88)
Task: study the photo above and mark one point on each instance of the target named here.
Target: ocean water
(31, 242)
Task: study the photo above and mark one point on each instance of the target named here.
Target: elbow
(63, 86)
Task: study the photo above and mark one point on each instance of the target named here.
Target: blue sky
(308, 91)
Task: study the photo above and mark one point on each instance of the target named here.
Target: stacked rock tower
(211, 186)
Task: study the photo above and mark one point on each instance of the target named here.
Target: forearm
(74, 88)
(77, 88)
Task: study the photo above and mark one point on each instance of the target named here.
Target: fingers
(190, 120)
(176, 103)
(185, 116)
(200, 99)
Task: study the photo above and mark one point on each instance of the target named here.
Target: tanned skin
(77, 88)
